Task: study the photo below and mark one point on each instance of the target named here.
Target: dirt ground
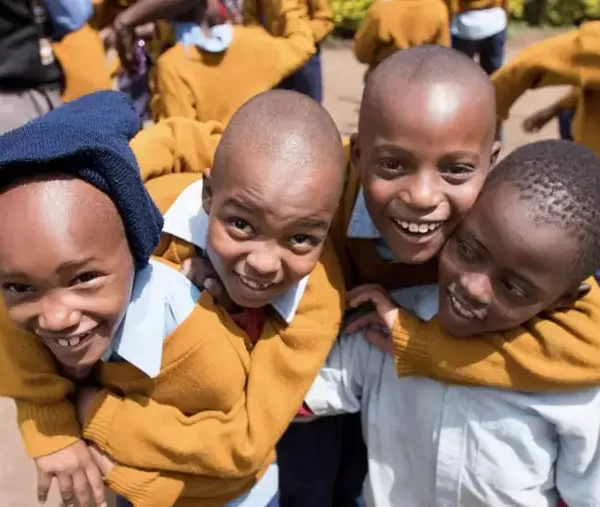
(343, 78)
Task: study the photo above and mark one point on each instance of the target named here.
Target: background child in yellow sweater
(260, 257)
(392, 25)
(571, 58)
(209, 79)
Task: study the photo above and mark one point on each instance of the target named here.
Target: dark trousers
(565, 118)
(490, 50)
(123, 502)
(322, 463)
(307, 80)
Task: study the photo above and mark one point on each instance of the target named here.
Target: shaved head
(444, 72)
(293, 132)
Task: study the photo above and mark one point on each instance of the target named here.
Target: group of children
(469, 344)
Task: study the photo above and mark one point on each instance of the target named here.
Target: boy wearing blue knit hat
(179, 372)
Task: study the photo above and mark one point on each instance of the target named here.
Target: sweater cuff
(144, 488)
(104, 408)
(47, 428)
(410, 348)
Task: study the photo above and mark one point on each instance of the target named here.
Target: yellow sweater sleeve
(250, 12)
(443, 32)
(570, 100)
(366, 39)
(46, 419)
(283, 365)
(572, 58)
(558, 352)
(321, 19)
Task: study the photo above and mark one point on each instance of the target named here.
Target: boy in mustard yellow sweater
(415, 168)
(571, 58)
(209, 78)
(392, 25)
(267, 241)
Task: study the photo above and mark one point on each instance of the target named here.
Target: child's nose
(478, 288)
(57, 317)
(265, 261)
(423, 191)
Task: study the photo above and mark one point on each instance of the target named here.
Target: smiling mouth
(417, 228)
(462, 310)
(254, 285)
(74, 341)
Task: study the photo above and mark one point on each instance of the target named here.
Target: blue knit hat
(89, 138)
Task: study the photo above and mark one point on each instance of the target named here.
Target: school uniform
(195, 82)
(478, 27)
(570, 58)
(393, 25)
(431, 443)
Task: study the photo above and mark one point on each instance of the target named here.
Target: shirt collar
(361, 225)
(161, 299)
(421, 300)
(217, 40)
(187, 220)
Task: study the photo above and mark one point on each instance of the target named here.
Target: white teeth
(74, 341)
(63, 343)
(418, 228)
(254, 285)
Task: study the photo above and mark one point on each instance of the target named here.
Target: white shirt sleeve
(339, 385)
(576, 417)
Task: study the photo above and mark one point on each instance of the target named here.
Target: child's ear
(354, 151)
(566, 301)
(207, 192)
(496, 147)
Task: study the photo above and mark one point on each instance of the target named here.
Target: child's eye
(392, 164)
(240, 225)
(18, 288)
(304, 241)
(85, 278)
(458, 169)
(514, 290)
(466, 251)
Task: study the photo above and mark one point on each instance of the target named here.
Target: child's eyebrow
(313, 223)
(232, 201)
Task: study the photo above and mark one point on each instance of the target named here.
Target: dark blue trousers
(308, 79)
(322, 463)
(490, 50)
(565, 118)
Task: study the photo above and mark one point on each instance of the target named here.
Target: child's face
(423, 159)
(501, 268)
(66, 271)
(267, 231)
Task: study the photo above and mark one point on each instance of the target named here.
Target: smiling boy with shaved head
(179, 374)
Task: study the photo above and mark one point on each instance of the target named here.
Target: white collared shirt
(478, 24)
(187, 220)
(432, 444)
(217, 40)
(161, 299)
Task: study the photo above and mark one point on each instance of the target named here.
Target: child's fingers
(369, 319)
(81, 492)
(362, 289)
(65, 486)
(380, 340)
(44, 481)
(378, 298)
(94, 478)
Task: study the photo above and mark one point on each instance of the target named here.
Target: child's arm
(321, 19)
(282, 367)
(558, 352)
(539, 119)
(572, 58)
(367, 39)
(577, 467)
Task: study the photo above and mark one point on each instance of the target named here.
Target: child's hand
(76, 473)
(385, 314)
(104, 462)
(537, 121)
(201, 273)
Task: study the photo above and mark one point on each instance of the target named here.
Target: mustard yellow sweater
(215, 409)
(391, 25)
(82, 58)
(559, 352)
(572, 58)
(268, 14)
(206, 86)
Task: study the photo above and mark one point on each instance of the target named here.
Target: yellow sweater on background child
(244, 397)
(392, 25)
(572, 58)
(207, 86)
